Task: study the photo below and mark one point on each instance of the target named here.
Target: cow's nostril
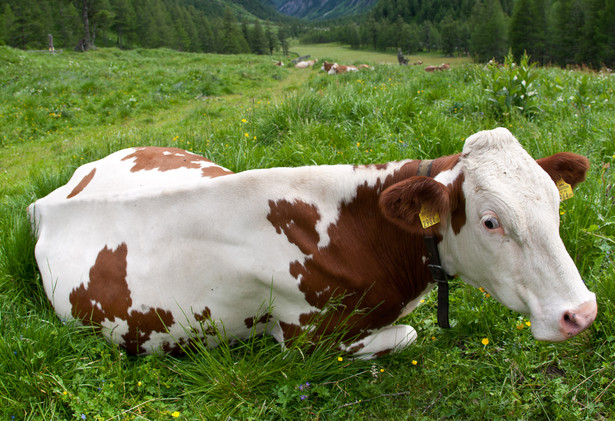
(570, 319)
(577, 320)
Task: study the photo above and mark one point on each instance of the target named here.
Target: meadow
(59, 111)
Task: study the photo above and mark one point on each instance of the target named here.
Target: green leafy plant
(510, 86)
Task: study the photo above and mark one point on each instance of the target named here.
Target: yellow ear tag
(565, 191)
(428, 218)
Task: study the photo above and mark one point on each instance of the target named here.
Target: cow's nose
(577, 320)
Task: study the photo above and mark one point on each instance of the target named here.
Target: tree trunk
(86, 26)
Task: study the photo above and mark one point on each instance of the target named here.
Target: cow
(159, 247)
(326, 66)
(443, 66)
(334, 68)
(305, 64)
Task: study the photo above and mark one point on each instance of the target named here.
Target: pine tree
(488, 33)
(449, 32)
(568, 20)
(528, 28)
(594, 42)
(608, 24)
(102, 18)
(66, 24)
(125, 21)
(431, 38)
(7, 25)
(232, 40)
(353, 37)
(205, 33)
(258, 41)
(412, 36)
(29, 27)
(283, 37)
(272, 40)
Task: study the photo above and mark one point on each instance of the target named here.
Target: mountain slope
(262, 9)
(323, 9)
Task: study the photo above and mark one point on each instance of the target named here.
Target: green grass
(257, 115)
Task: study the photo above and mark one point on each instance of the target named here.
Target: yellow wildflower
(340, 359)
(414, 362)
(175, 414)
(485, 341)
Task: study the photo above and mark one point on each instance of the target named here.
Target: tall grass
(487, 366)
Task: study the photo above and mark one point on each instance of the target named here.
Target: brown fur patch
(327, 66)
(214, 171)
(370, 264)
(108, 297)
(82, 184)
(251, 321)
(203, 315)
(165, 159)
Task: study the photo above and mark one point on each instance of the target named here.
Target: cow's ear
(413, 199)
(568, 166)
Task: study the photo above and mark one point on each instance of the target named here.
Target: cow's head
(499, 211)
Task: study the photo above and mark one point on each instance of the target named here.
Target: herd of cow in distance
(335, 68)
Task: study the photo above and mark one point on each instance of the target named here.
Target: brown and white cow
(156, 245)
(443, 66)
(335, 69)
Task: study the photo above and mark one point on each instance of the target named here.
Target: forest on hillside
(183, 25)
(560, 32)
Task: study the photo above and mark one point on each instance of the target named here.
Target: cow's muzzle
(575, 321)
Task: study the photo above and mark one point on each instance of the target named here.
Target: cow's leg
(383, 341)
(378, 343)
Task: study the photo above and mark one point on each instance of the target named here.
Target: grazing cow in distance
(278, 63)
(337, 69)
(334, 68)
(443, 66)
(326, 66)
(158, 247)
(305, 64)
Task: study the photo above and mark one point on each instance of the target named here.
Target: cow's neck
(438, 273)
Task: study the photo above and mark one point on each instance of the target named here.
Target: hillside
(323, 9)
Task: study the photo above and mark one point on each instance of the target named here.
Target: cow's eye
(491, 222)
